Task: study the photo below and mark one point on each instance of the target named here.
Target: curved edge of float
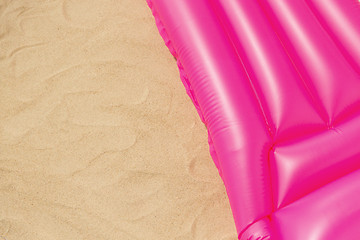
(260, 229)
(184, 79)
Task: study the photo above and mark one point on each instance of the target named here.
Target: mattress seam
(306, 84)
(256, 93)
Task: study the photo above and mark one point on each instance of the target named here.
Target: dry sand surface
(98, 139)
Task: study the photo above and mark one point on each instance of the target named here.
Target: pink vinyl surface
(277, 83)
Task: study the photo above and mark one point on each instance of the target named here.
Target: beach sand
(98, 139)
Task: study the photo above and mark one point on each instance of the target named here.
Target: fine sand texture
(98, 139)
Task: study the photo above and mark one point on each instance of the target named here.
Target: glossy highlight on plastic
(277, 83)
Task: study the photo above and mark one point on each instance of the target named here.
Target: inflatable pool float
(277, 84)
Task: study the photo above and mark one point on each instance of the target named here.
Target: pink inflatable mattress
(277, 83)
